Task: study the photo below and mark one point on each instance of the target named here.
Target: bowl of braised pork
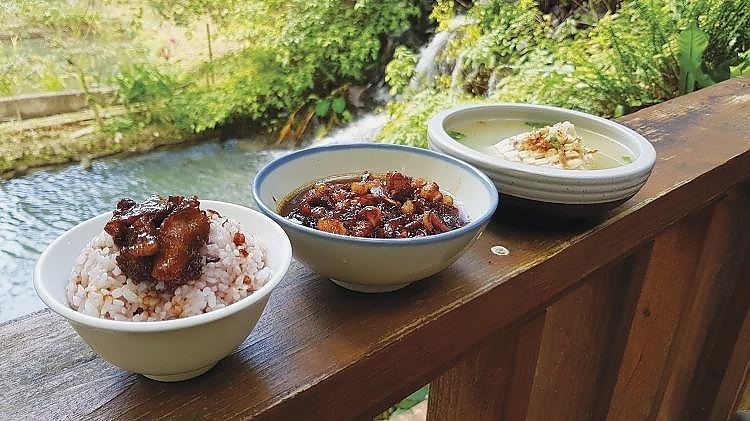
(375, 217)
(167, 286)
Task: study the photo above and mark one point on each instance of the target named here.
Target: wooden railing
(640, 315)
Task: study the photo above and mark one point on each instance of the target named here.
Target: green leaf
(322, 108)
(456, 135)
(692, 43)
(412, 400)
(536, 124)
(743, 67)
(339, 105)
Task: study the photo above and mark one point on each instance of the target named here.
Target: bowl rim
(437, 134)
(267, 170)
(63, 309)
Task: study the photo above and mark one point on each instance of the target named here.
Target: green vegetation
(189, 68)
(606, 64)
(289, 68)
(47, 45)
(406, 404)
(297, 60)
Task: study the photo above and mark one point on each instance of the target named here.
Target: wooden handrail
(640, 315)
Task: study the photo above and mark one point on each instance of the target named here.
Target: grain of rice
(230, 273)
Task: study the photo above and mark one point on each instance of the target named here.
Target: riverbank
(85, 41)
(82, 135)
(78, 136)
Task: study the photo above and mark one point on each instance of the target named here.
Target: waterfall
(458, 69)
(426, 68)
(491, 84)
(363, 129)
(366, 127)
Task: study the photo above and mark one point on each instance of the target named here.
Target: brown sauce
(391, 205)
(160, 238)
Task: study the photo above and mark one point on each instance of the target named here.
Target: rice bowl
(164, 350)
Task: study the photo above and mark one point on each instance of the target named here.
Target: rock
(86, 162)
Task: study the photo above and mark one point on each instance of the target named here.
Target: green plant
(46, 34)
(75, 17)
(406, 124)
(141, 84)
(406, 404)
(641, 54)
(743, 67)
(400, 70)
(726, 23)
(495, 35)
(298, 56)
(331, 110)
(653, 51)
(692, 43)
(493, 38)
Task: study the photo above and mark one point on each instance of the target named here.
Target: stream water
(38, 207)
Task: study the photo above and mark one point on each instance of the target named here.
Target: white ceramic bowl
(169, 350)
(572, 192)
(376, 264)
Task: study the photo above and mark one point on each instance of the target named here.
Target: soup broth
(482, 134)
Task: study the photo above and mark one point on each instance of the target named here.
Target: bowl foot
(369, 288)
(180, 376)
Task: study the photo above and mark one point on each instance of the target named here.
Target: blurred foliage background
(295, 69)
(602, 58)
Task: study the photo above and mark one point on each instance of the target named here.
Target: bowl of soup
(375, 217)
(547, 158)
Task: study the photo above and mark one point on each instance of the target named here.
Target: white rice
(97, 286)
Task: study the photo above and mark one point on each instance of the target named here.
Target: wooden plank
(628, 307)
(737, 374)
(528, 345)
(492, 382)
(69, 361)
(724, 251)
(710, 395)
(578, 332)
(659, 306)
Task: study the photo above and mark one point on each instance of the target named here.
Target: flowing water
(38, 207)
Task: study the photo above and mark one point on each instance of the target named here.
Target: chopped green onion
(555, 142)
(456, 135)
(536, 124)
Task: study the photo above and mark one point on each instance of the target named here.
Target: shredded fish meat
(556, 146)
